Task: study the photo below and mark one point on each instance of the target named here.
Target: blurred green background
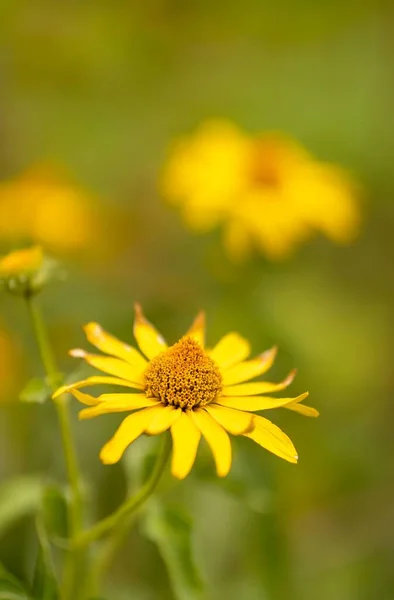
(103, 88)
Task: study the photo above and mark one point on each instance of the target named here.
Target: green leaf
(54, 511)
(44, 579)
(19, 497)
(10, 587)
(36, 391)
(171, 530)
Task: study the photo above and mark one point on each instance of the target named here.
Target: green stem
(130, 505)
(54, 380)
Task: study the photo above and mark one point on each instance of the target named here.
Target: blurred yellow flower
(21, 262)
(42, 207)
(267, 192)
(188, 389)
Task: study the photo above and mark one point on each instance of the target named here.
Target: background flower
(267, 192)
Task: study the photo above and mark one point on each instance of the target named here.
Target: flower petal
(250, 369)
(129, 430)
(164, 419)
(231, 349)
(197, 330)
(217, 439)
(111, 345)
(258, 387)
(116, 403)
(95, 380)
(254, 403)
(185, 439)
(307, 411)
(113, 366)
(85, 398)
(235, 422)
(270, 437)
(149, 340)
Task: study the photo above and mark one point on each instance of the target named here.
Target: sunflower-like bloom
(191, 390)
(267, 192)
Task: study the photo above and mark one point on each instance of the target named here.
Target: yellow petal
(116, 403)
(113, 366)
(217, 439)
(231, 349)
(95, 380)
(85, 398)
(254, 403)
(250, 369)
(307, 411)
(235, 422)
(270, 437)
(258, 387)
(197, 330)
(149, 340)
(185, 439)
(129, 430)
(111, 345)
(164, 419)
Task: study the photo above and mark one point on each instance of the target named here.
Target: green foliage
(19, 497)
(171, 530)
(54, 512)
(36, 391)
(44, 581)
(11, 588)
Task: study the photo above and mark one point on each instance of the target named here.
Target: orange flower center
(184, 376)
(267, 164)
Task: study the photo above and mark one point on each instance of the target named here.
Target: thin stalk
(131, 505)
(54, 380)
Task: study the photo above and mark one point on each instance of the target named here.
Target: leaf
(35, 391)
(44, 579)
(171, 530)
(10, 587)
(54, 511)
(19, 497)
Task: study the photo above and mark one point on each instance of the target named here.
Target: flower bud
(25, 272)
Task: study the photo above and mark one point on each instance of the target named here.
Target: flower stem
(54, 380)
(130, 505)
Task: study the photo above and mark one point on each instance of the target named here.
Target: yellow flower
(21, 262)
(41, 206)
(191, 390)
(267, 192)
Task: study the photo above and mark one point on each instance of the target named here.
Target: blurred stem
(127, 509)
(54, 380)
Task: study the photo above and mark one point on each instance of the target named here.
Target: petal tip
(93, 328)
(139, 315)
(178, 475)
(107, 457)
(77, 353)
(269, 354)
(223, 474)
(200, 318)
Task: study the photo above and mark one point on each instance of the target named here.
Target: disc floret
(183, 376)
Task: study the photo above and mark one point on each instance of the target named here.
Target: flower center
(267, 164)
(184, 376)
